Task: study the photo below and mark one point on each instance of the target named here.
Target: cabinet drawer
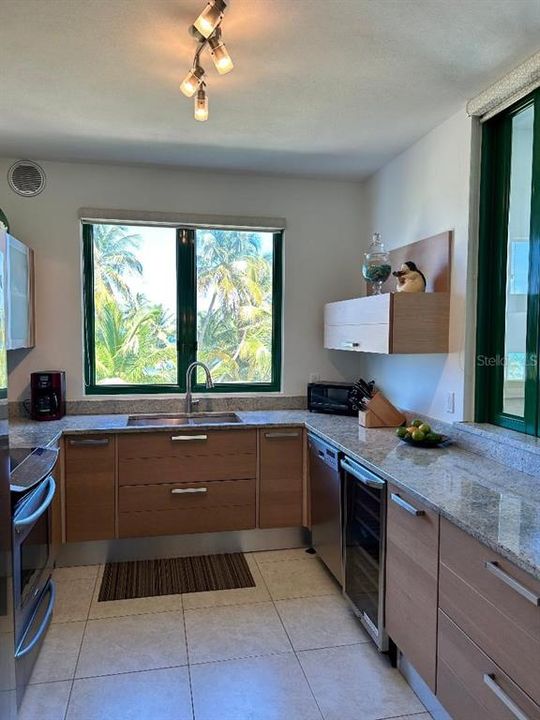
(471, 685)
(474, 592)
(186, 520)
(187, 456)
(412, 557)
(281, 477)
(187, 495)
(186, 442)
(89, 487)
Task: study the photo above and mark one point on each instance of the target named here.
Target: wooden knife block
(380, 413)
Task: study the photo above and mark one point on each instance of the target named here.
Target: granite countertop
(496, 504)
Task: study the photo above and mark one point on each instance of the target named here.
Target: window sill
(495, 433)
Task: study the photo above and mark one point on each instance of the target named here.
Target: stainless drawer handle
(405, 505)
(189, 437)
(507, 701)
(493, 567)
(281, 434)
(89, 443)
(350, 344)
(188, 491)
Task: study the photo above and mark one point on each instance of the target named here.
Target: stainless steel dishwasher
(326, 528)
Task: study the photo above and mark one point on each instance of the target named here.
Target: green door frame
(492, 273)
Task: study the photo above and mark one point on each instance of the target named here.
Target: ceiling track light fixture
(207, 31)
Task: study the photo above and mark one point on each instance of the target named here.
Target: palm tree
(235, 329)
(114, 258)
(135, 346)
(221, 258)
(135, 340)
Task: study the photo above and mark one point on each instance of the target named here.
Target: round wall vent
(26, 178)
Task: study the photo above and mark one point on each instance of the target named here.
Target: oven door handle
(21, 523)
(23, 649)
(357, 472)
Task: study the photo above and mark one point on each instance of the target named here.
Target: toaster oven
(330, 397)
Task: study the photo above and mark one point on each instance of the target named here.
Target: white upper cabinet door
(391, 323)
(20, 280)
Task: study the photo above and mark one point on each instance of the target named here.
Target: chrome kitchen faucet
(189, 379)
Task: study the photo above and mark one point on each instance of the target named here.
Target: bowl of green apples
(420, 433)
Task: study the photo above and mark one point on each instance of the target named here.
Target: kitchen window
(157, 298)
(508, 380)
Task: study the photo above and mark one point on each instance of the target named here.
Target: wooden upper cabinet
(412, 559)
(392, 323)
(90, 487)
(281, 480)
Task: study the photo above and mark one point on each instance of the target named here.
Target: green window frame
(186, 318)
(492, 274)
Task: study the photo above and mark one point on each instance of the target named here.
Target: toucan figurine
(409, 278)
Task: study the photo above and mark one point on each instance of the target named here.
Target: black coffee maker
(48, 395)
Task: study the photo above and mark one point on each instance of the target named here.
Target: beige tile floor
(288, 649)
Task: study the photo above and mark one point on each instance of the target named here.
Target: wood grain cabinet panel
(90, 487)
(186, 495)
(470, 685)
(281, 482)
(191, 455)
(494, 603)
(186, 508)
(411, 580)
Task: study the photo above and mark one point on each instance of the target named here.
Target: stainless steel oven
(364, 546)
(33, 587)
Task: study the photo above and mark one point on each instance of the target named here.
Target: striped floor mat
(148, 578)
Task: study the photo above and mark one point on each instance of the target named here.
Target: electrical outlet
(451, 403)
(314, 377)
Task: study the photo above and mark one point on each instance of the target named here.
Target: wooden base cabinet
(281, 477)
(470, 685)
(494, 603)
(187, 480)
(90, 487)
(412, 559)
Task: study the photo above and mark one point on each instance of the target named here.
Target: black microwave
(330, 397)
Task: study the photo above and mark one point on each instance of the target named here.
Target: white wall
(325, 220)
(422, 192)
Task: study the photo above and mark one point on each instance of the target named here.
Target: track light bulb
(190, 84)
(201, 106)
(220, 54)
(210, 17)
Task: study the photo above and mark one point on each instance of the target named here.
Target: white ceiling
(320, 87)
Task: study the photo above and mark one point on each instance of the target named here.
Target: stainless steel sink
(210, 418)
